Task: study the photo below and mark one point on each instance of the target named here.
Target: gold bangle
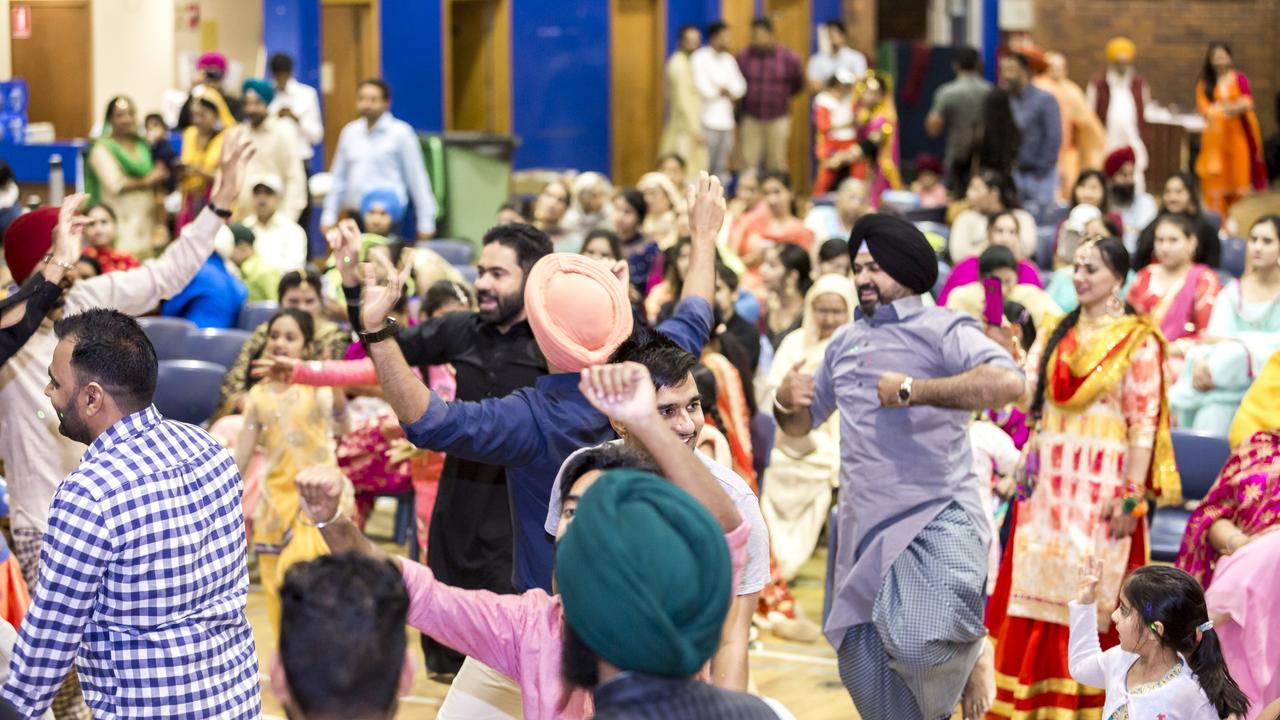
(48, 260)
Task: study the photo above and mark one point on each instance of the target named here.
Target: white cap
(269, 181)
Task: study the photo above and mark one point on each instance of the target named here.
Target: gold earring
(1115, 305)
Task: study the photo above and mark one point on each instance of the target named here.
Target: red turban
(1117, 159)
(27, 241)
(579, 311)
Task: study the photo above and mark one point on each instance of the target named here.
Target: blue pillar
(990, 37)
(293, 27)
(413, 60)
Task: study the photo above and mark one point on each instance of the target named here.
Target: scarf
(136, 165)
(1078, 374)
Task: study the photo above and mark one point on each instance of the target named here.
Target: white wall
(6, 42)
(133, 43)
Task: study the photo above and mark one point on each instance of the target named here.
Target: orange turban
(578, 310)
(1121, 48)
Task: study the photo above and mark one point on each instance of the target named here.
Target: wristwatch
(387, 331)
(904, 391)
(223, 213)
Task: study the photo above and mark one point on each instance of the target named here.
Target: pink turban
(578, 310)
(215, 60)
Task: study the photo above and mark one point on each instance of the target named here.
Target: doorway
(57, 63)
(478, 65)
(793, 27)
(349, 53)
(637, 40)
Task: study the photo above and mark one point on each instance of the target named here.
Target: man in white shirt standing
(298, 104)
(276, 152)
(376, 150)
(719, 81)
(280, 241)
(833, 54)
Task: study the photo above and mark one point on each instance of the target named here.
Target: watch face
(903, 394)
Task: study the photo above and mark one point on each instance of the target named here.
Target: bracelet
(780, 407)
(337, 514)
(48, 260)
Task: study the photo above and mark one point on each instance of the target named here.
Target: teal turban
(259, 87)
(644, 575)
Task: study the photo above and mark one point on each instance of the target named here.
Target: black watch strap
(223, 213)
(388, 330)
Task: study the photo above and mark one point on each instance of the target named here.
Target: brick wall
(1171, 36)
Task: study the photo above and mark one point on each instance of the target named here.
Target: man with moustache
(910, 569)
(469, 544)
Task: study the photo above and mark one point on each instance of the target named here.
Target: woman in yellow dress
(1099, 450)
(201, 149)
(295, 426)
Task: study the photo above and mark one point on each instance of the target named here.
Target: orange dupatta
(1078, 374)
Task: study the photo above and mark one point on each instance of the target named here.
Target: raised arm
(1084, 653)
(406, 393)
(625, 393)
(706, 214)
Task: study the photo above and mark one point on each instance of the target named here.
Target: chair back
(1232, 259)
(255, 313)
(214, 345)
(454, 252)
(1200, 458)
(188, 390)
(166, 334)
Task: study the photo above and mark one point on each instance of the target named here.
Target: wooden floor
(802, 677)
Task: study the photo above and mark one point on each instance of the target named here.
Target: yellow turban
(1121, 48)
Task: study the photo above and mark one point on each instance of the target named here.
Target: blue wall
(699, 13)
(293, 27)
(560, 84)
(413, 60)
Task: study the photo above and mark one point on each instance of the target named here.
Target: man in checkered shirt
(143, 579)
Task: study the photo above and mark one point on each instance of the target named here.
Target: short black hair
(91, 262)
(836, 25)
(378, 83)
(967, 59)
(112, 350)
(832, 249)
(994, 258)
(529, 243)
(686, 28)
(442, 292)
(520, 205)
(342, 634)
(715, 29)
(668, 363)
(1021, 58)
(762, 23)
(154, 117)
(298, 278)
(281, 63)
(306, 323)
(609, 236)
(104, 206)
(635, 199)
(727, 275)
(672, 156)
(609, 456)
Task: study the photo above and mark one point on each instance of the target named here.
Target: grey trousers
(719, 149)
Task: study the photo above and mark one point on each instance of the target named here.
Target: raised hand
(797, 389)
(378, 301)
(68, 240)
(278, 368)
(622, 391)
(706, 203)
(1088, 581)
(320, 490)
(344, 241)
(237, 151)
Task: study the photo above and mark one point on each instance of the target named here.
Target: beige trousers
(765, 141)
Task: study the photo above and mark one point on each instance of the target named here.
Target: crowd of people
(979, 414)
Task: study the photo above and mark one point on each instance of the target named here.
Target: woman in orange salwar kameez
(1100, 449)
(1230, 162)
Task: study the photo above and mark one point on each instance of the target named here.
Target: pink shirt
(517, 635)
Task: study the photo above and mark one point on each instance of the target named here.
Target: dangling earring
(1115, 305)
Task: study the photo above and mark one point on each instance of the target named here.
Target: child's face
(1128, 621)
(155, 130)
(927, 178)
(377, 220)
(285, 339)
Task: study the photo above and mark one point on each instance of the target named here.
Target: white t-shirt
(756, 573)
(713, 72)
(823, 66)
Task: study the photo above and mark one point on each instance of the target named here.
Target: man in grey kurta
(911, 563)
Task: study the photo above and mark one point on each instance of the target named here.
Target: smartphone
(993, 306)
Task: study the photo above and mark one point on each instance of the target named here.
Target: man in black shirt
(469, 543)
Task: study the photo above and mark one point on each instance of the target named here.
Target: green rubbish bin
(477, 179)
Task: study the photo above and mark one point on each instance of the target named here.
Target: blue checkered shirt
(143, 582)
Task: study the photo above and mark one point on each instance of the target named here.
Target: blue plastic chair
(255, 313)
(454, 252)
(1232, 260)
(833, 542)
(762, 429)
(189, 390)
(932, 215)
(166, 334)
(1046, 239)
(214, 345)
(1200, 458)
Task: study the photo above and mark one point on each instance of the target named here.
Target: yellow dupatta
(1092, 368)
(206, 157)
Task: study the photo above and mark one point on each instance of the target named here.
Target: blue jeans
(1037, 190)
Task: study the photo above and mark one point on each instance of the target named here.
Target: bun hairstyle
(1171, 597)
(1116, 258)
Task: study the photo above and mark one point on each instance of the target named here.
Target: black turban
(899, 248)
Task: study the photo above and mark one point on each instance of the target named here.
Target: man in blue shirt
(378, 151)
(1038, 117)
(533, 430)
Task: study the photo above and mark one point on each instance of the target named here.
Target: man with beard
(910, 569)
(469, 543)
(1136, 206)
(276, 157)
(36, 456)
(145, 579)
